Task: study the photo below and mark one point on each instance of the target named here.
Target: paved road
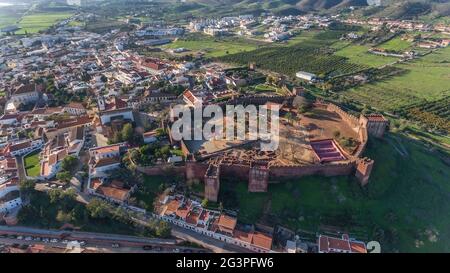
(20, 168)
(215, 245)
(94, 240)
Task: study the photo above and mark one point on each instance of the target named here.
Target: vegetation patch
(32, 164)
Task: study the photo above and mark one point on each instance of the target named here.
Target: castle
(322, 153)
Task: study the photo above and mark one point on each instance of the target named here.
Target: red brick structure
(212, 183)
(257, 167)
(376, 124)
(258, 177)
(363, 170)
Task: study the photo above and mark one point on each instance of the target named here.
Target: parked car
(147, 247)
(54, 240)
(19, 237)
(115, 245)
(29, 238)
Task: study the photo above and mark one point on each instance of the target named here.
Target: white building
(25, 94)
(306, 76)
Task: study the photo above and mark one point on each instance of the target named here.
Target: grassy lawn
(404, 206)
(396, 44)
(265, 88)
(428, 78)
(358, 54)
(40, 21)
(214, 47)
(234, 194)
(32, 164)
(147, 195)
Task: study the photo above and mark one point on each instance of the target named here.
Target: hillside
(396, 9)
(412, 9)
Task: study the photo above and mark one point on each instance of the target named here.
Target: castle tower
(363, 170)
(376, 125)
(258, 177)
(212, 183)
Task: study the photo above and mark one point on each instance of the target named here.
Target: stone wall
(162, 169)
(195, 170)
(318, 169)
(350, 119)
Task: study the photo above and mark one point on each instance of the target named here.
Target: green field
(404, 204)
(396, 44)
(428, 78)
(40, 21)
(358, 54)
(32, 164)
(213, 46)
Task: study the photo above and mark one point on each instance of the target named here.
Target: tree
(204, 203)
(69, 163)
(63, 216)
(127, 132)
(289, 117)
(26, 186)
(98, 208)
(336, 134)
(163, 229)
(160, 132)
(64, 176)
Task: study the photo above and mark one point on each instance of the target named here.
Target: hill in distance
(395, 9)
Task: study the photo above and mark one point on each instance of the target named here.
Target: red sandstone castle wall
(195, 170)
(235, 171)
(161, 169)
(325, 170)
(351, 120)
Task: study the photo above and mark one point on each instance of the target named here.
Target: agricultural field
(427, 79)
(306, 56)
(359, 54)
(103, 26)
(7, 20)
(396, 44)
(40, 21)
(32, 164)
(435, 113)
(214, 47)
(394, 208)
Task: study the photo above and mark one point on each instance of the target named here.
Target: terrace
(327, 150)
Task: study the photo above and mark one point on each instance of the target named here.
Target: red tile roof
(227, 223)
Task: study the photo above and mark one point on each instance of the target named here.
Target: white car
(45, 240)
(54, 240)
(19, 237)
(28, 238)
